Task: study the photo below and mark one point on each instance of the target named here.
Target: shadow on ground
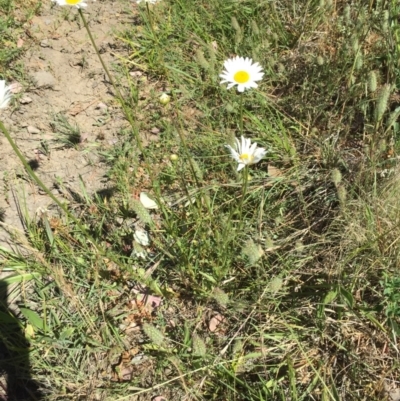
(16, 383)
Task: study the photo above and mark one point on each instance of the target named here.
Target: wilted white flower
(5, 94)
(76, 3)
(141, 237)
(246, 153)
(147, 1)
(147, 202)
(242, 72)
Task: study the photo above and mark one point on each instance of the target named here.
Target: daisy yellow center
(241, 77)
(246, 158)
(73, 2)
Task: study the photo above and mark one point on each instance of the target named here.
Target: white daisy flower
(76, 3)
(241, 72)
(246, 153)
(5, 94)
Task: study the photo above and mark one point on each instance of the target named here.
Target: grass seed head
(141, 212)
(220, 296)
(336, 176)
(382, 102)
(359, 61)
(252, 251)
(342, 194)
(254, 27)
(235, 24)
(355, 44)
(385, 20)
(153, 333)
(199, 346)
(196, 169)
(372, 81)
(200, 58)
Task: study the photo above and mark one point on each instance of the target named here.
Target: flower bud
(164, 99)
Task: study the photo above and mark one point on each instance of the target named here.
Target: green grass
(299, 271)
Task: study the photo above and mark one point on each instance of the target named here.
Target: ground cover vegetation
(191, 280)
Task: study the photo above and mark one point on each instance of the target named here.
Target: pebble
(33, 130)
(44, 43)
(44, 79)
(155, 131)
(136, 74)
(102, 107)
(25, 100)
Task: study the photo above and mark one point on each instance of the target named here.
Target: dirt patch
(65, 80)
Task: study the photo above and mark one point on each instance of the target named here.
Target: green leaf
(18, 278)
(208, 277)
(33, 318)
(330, 296)
(67, 333)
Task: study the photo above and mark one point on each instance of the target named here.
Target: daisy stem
(244, 191)
(241, 113)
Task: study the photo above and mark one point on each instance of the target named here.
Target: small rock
(33, 130)
(23, 124)
(136, 74)
(155, 131)
(102, 107)
(25, 100)
(16, 87)
(44, 79)
(44, 43)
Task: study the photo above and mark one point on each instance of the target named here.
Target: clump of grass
(257, 277)
(68, 134)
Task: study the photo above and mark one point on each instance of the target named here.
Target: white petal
(147, 202)
(141, 237)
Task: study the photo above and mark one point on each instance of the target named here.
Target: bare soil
(64, 77)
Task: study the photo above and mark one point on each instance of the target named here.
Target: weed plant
(276, 284)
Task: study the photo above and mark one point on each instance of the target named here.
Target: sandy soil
(65, 76)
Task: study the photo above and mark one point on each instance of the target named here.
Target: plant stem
(244, 192)
(151, 21)
(110, 78)
(241, 114)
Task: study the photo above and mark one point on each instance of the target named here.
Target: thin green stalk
(244, 192)
(151, 21)
(110, 78)
(241, 114)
